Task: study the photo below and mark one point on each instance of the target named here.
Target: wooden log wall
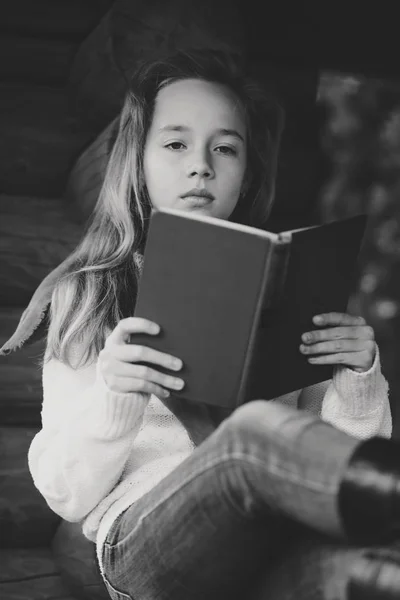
(53, 20)
(40, 139)
(41, 136)
(35, 60)
(35, 236)
(20, 376)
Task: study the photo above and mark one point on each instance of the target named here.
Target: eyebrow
(222, 131)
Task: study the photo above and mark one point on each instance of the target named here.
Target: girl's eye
(175, 146)
(226, 150)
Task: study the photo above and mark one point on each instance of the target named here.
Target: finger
(131, 325)
(354, 332)
(356, 360)
(131, 353)
(335, 318)
(127, 385)
(338, 346)
(122, 369)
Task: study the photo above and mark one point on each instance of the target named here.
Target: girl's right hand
(117, 361)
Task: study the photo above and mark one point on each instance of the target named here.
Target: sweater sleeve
(358, 403)
(87, 434)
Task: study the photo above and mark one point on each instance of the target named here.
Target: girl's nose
(201, 167)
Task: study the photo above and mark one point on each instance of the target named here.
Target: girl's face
(195, 152)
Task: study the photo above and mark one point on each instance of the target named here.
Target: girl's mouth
(197, 201)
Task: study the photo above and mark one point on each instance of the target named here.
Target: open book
(232, 301)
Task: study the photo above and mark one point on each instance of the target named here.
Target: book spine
(271, 290)
(276, 271)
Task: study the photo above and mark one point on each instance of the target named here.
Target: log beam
(49, 19)
(35, 60)
(35, 237)
(20, 376)
(40, 140)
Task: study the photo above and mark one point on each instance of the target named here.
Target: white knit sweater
(98, 451)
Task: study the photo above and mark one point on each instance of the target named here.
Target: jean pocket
(112, 535)
(116, 594)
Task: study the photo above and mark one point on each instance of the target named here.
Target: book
(232, 301)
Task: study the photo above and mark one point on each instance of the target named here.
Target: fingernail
(303, 348)
(178, 384)
(318, 319)
(177, 363)
(166, 393)
(306, 337)
(155, 329)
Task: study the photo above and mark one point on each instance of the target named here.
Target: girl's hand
(346, 341)
(117, 361)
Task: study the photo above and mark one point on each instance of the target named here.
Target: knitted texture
(98, 451)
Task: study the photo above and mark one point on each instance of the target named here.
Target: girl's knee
(250, 411)
(249, 415)
(261, 413)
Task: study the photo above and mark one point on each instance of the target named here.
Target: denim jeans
(227, 515)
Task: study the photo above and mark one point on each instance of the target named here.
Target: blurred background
(360, 141)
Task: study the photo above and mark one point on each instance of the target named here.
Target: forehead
(194, 101)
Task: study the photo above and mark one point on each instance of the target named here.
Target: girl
(171, 520)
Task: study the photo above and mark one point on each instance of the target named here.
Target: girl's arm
(357, 403)
(87, 434)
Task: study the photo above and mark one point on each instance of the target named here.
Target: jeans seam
(288, 475)
(114, 590)
(277, 471)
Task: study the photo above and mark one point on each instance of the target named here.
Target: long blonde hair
(100, 286)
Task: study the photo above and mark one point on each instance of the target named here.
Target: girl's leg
(208, 527)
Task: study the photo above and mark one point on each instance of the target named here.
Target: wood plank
(27, 573)
(50, 18)
(35, 60)
(21, 390)
(26, 521)
(25, 563)
(14, 444)
(40, 139)
(36, 235)
(42, 588)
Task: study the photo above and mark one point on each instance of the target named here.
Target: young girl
(171, 520)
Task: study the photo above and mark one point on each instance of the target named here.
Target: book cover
(232, 301)
(320, 277)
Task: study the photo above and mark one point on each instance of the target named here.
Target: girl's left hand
(346, 341)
